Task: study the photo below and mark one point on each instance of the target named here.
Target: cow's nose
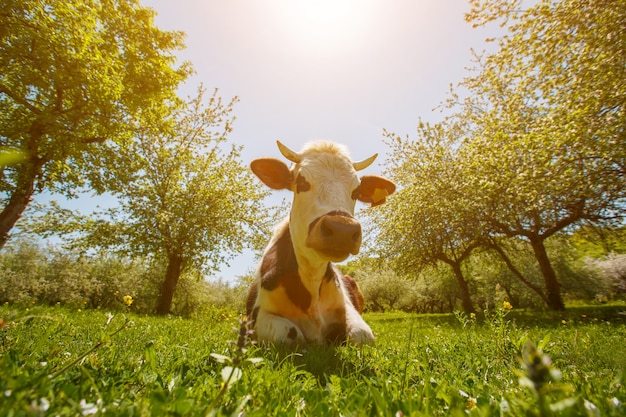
(335, 236)
(340, 229)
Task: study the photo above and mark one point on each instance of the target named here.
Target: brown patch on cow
(355, 294)
(280, 267)
(296, 291)
(255, 314)
(279, 260)
(330, 274)
(302, 184)
(251, 300)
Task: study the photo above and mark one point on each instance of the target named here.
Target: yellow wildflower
(472, 316)
(506, 305)
(128, 300)
(471, 403)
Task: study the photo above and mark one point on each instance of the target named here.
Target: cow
(299, 296)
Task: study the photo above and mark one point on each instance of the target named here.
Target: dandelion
(79, 310)
(471, 403)
(128, 300)
(473, 316)
(564, 321)
(506, 305)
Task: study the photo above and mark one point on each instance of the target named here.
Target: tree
(543, 122)
(74, 74)
(431, 218)
(188, 204)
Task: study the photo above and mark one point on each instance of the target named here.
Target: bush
(611, 272)
(30, 275)
(384, 290)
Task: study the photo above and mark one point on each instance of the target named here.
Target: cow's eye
(302, 184)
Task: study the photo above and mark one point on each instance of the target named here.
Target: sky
(342, 70)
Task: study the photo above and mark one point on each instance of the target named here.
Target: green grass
(54, 361)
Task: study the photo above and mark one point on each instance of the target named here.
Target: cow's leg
(357, 331)
(272, 328)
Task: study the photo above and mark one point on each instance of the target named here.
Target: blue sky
(342, 70)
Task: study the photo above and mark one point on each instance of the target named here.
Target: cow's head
(326, 186)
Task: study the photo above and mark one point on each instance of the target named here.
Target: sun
(327, 24)
(325, 12)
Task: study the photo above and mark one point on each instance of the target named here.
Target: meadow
(505, 362)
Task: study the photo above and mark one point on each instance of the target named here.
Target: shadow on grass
(321, 361)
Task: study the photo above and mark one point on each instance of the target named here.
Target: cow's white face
(326, 186)
(321, 219)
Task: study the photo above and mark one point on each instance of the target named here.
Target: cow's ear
(375, 189)
(273, 172)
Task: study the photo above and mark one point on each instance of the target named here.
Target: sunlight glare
(325, 11)
(327, 24)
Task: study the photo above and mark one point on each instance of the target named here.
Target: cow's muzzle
(335, 235)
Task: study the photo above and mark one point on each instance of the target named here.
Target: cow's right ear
(273, 172)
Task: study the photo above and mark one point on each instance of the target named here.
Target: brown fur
(356, 296)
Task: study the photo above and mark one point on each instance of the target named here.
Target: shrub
(29, 274)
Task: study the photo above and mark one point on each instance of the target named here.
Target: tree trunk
(172, 274)
(553, 287)
(20, 198)
(517, 273)
(466, 300)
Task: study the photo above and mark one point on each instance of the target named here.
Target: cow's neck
(311, 273)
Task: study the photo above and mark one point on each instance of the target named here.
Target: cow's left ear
(273, 172)
(374, 189)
